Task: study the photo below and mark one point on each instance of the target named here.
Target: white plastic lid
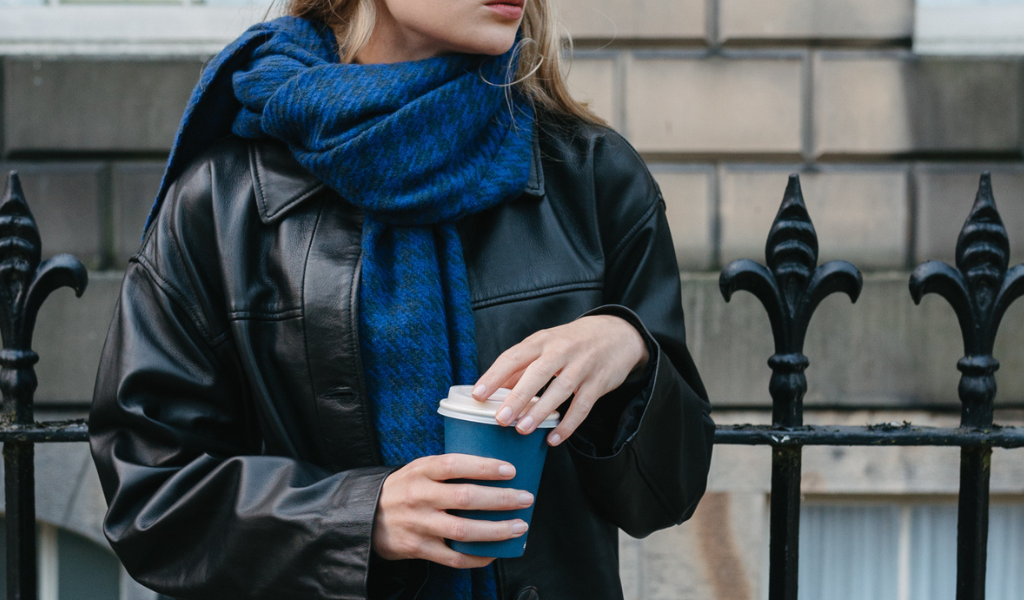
(460, 404)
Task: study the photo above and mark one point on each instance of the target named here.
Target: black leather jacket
(230, 425)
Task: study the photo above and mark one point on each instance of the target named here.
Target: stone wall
(723, 98)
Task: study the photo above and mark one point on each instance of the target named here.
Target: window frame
(119, 29)
(982, 29)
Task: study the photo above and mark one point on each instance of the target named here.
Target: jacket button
(529, 593)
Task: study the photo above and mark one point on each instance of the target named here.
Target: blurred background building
(888, 109)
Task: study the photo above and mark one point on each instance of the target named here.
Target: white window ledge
(982, 29)
(173, 30)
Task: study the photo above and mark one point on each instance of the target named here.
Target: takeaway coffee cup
(470, 428)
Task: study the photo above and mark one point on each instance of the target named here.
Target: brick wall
(723, 98)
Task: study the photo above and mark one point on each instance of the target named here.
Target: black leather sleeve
(645, 450)
(195, 510)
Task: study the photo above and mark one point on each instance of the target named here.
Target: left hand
(588, 357)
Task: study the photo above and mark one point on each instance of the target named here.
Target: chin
(493, 45)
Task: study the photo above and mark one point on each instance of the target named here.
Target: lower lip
(509, 11)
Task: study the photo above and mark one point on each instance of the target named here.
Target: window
(969, 27)
(70, 566)
(898, 551)
(118, 27)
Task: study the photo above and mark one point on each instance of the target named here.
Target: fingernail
(525, 424)
(519, 527)
(506, 470)
(479, 390)
(505, 415)
(554, 439)
(525, 498)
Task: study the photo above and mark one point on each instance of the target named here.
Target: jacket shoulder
(602, 163)
(182, 245)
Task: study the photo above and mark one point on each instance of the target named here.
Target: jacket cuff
(348, 532)
(615, 418)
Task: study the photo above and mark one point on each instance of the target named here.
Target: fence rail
(790, 285)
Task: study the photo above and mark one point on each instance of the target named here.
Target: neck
(391, 43)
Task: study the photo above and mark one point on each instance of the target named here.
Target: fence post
(790, 288)
(24, 284)
(980, 289)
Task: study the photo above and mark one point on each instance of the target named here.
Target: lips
(509, 9)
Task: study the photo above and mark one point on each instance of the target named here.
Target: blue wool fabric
(417, 146)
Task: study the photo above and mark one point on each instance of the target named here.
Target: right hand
(411, 521)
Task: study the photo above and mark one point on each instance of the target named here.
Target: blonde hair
(539, 75)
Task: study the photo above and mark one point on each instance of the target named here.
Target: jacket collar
(280, 183)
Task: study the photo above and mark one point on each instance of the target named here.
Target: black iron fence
(790, 286)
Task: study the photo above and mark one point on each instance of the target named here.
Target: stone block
(944, 199)
(688, 208)
(714, 105)
(884, 104)
(66, 199)
(881, 351)
(634, 19)
(69, 337)
(815, 19)
(716, 554)
(95, 105)
(860, 216)
(135, 185)
(592, 80)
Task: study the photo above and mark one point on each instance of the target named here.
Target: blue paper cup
(470, 428)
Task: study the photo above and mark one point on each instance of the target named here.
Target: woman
(364, 203)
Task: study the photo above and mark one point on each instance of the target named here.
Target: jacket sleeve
(195, 510)
(645, 450)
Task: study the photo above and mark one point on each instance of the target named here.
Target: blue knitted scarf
(417, 146)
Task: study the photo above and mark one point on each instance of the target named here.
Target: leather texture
(230, 426)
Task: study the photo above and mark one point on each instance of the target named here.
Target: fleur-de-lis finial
(979, 289)
(24, 285)
(790, 288)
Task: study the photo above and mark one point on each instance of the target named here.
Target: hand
(588, 357)
(411, 521)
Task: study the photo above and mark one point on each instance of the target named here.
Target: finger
(461, 529)
(536, 376)
(512, 380)
(558, 391)
(581, 406)
(439, 552)
(510, 362)
(464, 466)
(467, 496)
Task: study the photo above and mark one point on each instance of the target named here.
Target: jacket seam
(360, 373)
(179, 299)
(536, 293)
(305, 332)
(634, 230)
(260, 196)
(255, 315)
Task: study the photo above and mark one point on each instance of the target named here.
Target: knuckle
(565, 383)
(514, 354)
(516, 399)
(449, 465)
(583, 405)
(409, 546)
(457, 530)
(462, 497)
(510, 498)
